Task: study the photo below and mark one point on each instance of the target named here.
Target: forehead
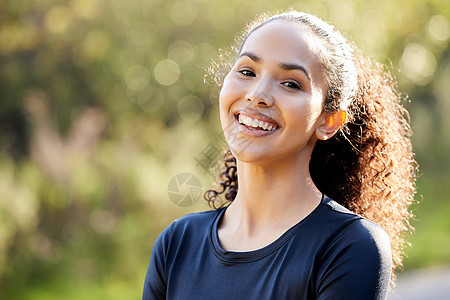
(284, 40)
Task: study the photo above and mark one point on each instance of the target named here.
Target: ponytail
(369, 165)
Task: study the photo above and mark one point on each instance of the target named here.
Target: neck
(277, 193)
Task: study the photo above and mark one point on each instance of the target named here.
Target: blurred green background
(103, 102)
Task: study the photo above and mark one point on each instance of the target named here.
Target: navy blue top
(331, 254)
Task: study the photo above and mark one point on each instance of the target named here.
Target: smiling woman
(276, 76)
(320, 146)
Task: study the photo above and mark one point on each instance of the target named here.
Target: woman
(307, 120)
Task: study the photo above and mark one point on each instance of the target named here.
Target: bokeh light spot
(203, 53)
(184, 12)
(418, 63)
(150, 100)
(137, 77)
(102, 221)
(28, 37)
(190, 108)
(439, 28)
(375, 29)
(181, 52)
(58, 20)
(167, 72)
(87, 9)
(95, 45)
(142, 34)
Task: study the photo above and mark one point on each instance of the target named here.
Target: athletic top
(330, 254)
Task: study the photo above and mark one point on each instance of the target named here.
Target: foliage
(102, 102)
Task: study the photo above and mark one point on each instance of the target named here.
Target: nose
(259, 93)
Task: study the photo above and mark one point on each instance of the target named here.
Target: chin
(253, 156)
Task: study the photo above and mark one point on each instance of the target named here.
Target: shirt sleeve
(156, 278)
(356, 264)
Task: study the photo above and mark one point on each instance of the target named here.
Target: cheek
(228, 94)
(226, 99)
(223, 101)
(303, 114)
(314, 106)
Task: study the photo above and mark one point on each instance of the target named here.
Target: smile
(255, 123)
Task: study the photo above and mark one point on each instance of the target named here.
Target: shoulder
(196, 220)
(187, 227)
(177, 239)
(356, 238)
(363, 238)
(357, 229)
(355, 258)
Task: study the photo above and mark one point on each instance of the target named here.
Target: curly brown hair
(368, 166)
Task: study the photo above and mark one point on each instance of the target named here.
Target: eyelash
(246, 72)
(292, 85)
(289, 84)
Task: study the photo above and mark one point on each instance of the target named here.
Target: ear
(330, 124)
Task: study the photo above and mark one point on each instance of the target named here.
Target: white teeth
(246, 120)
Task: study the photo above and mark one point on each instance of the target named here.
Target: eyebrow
(284, 66)
(252, 56)
(288, 67)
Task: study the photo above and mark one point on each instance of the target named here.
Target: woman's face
(271, 101)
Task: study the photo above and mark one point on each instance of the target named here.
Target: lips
(256, 121)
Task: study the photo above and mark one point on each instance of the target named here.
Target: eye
(292, 85)
(248, 73)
